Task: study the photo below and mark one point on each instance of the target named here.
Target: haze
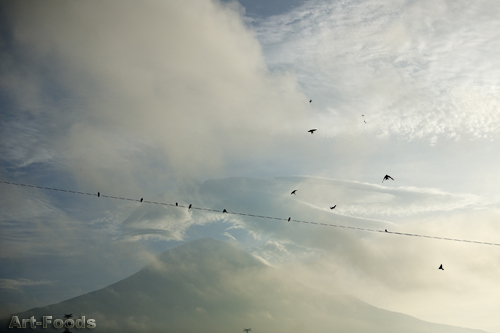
(207, 103)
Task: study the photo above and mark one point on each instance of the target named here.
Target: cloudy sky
(207, 103)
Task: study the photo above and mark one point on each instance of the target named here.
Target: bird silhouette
(441, 267)
(289, 219)
(224, 211)
(333, 207)
(386, 230)
(68, 315)
(98, 194)
(386, 177)
(310, 100)
(176, 204)
(142, 199)
(190, 205)
(312, 130)
(293, 192)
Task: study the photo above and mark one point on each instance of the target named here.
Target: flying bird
(224, 211)
(293, 192)
(333, 207)
(441, 267)
(190, 205)
(68, 315)
(142, 199)
(98, 194)
(312, 130)
(387, 177)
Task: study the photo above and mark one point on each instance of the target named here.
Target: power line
(385, 231)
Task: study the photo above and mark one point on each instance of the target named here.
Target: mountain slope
(211, 286)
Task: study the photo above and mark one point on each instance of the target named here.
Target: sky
(207, 103)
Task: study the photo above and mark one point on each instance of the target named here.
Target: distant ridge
(212, 286)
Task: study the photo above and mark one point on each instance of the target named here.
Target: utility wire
(385, 231)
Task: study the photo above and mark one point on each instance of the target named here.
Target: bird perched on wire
(386, 177)
(312, 130)
(310, 101)
(289, 219)
(190, 205)
(98, 194)
(142, 199)
(176, 204)
(333, 207)
(224, 211)
(293, 192)
(441, 267)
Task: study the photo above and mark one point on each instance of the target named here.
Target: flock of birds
(386, 177)
(294, 192)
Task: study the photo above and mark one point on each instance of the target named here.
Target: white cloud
(277, 253)
(422, 70)
(172, 86)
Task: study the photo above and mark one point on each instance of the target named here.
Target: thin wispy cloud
(19, 284)
(378, 200)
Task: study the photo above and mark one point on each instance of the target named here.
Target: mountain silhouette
(212, 286)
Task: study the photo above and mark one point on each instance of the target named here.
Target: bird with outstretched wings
(387, 177)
